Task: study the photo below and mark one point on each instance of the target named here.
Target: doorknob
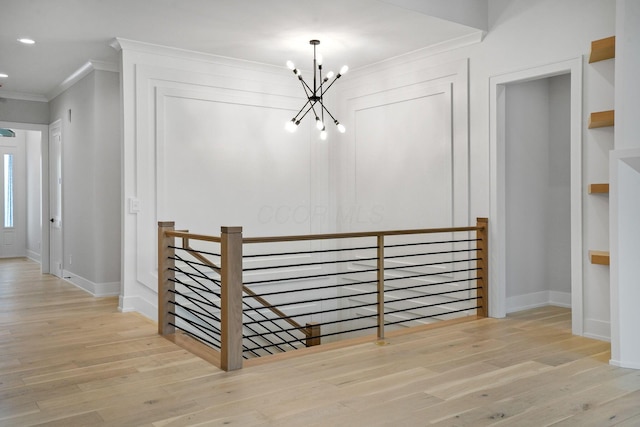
(52, 220)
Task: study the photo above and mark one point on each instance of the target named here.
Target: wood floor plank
(67, 358)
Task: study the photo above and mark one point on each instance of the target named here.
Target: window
(8, 190)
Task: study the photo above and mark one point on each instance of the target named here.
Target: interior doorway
(55, 199)
(33, 192)
(538, 193)
(519, 205)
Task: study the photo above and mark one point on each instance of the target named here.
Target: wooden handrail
(275, 239)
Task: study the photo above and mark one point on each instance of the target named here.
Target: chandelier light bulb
(343, 70)
(319, 59)
(291, 65)
(291, 126)
(341, 128)
(323, 135)
(319, 124)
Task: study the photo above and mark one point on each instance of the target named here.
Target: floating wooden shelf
(599, 257)
(598, 188)
(601, 119)
(603, 49)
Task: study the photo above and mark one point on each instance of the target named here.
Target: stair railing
(219, 316)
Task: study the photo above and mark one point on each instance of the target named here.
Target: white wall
(625, 189)
(91, 181)
(34, 194)
(23, 111)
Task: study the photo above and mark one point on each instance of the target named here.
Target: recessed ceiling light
(3, 75)
(26, 41)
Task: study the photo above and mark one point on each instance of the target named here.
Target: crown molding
(121, 44)
(425, 52)
(22, 96)
(80, 73)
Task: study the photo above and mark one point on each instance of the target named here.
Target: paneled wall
(205, 146)
(404, 163)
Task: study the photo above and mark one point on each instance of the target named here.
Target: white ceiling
(69, 33)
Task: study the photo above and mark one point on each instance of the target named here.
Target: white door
(55, 199)
(12, 198)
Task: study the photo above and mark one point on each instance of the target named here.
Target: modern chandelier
(315, 95)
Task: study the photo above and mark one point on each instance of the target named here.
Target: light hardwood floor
(67, 359)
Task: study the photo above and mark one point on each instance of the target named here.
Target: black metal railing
(284, 293)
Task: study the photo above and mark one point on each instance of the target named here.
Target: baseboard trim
(140, 305)
(538, 299)
(597, 329)
(33, 256)
(622, 364)
(95, 289)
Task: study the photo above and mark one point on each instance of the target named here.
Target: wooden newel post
(231, 296)
(313, 334)
(483, 265)
(166, 274)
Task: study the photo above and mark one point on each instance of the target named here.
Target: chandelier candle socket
(315, 94)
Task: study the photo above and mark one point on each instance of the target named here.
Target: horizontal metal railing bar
(307, 264)
(195, 289)
(313, 313)
(194, 278)
(316, 276)
(367, 282)
(426, 285)
(191, 250)
(363, 328)
(437, 294)
(400, 245)
(313, 276)
(196, 302)
(351, 307)
(432, 274)
(271, 267)
(191, 274)
(392, 312)
(273, 239)
(319, 251)
(316, 288)
(433, 315)
(189, 262)
(312, 300)
(430, 253)
(207, 331)
(359, 295)
(429, 264)
(362, 248)
(212, 331)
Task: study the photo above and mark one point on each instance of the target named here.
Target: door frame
(497, 184)
(44, 176)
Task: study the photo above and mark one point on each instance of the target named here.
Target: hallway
(69, 359)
